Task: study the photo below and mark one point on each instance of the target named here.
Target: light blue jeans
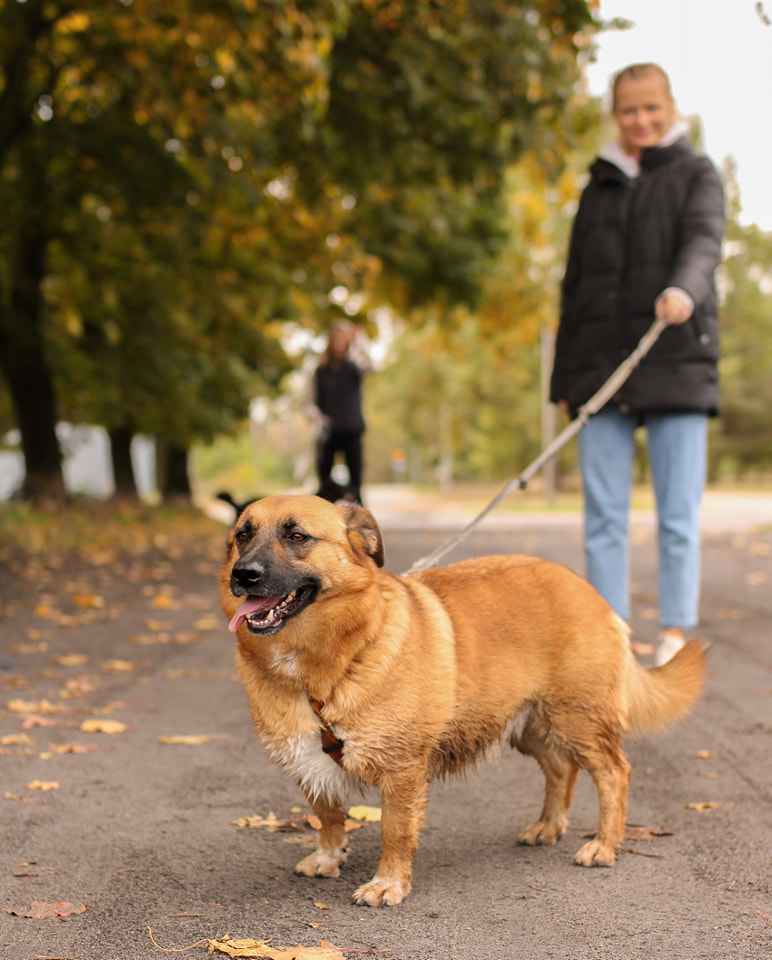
(677, 444)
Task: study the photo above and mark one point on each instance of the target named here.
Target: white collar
(631, 166)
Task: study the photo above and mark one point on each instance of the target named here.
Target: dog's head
(287, 553)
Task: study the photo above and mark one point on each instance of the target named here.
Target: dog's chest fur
(318, 774)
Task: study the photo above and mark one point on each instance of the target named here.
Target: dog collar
(331, 745)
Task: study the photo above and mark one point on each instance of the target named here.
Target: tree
(373, 135)
(746, 343)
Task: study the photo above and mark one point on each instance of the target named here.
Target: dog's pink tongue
(251, 606)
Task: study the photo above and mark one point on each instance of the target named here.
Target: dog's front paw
(543, 832)
(594, 853)
(382, 892)
(322, 863)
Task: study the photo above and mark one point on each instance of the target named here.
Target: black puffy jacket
(631, 239)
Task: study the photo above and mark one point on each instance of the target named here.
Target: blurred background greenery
(193, 192)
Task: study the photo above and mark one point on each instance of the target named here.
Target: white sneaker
(670, 642)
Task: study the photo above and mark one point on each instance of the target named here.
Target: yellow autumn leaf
(89, 601)
(321, 905)
(703, 805)
(261, 948)
(206, 623)
(703, 755)
(183, 740)
(15, 740)
(33, 706)
(271, 823)
(70, 748)
(163, 601)
(369, 814)
(43, 785)
(73, 23)
(71, 659)
(118, 666)
(98, 725)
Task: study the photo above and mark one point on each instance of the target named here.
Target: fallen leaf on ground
(163, 601)
(703, 754)
(730, 614)
(71, 747)
(271, 823)
(636, 832)
(303, 839)
(15, 739)
(43, 785)
(33, 706)
(756, 578)
(183, 740)
(703, 805)
(35, 720)
(42, 910)
(23, 869)
(98, 725)
(40, 647)
(118, 666)
(262, 948)
(206, 623)
(71, 659)
(321, 905)
(88, 601)
(369, 814)
(77, 687)
(158, 625)
(151, 639)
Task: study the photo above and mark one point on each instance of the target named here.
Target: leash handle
(596, 402)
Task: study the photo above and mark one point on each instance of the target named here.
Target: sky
(718, 54)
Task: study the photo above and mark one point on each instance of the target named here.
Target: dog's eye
(297, 537)
(244, 533)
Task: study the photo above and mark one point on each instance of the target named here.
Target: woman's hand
(674, 306)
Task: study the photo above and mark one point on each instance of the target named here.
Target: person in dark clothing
(645, 242)
(338, 399)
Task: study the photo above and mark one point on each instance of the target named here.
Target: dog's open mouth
(269, 614)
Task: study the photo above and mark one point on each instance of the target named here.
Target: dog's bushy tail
(658, 697)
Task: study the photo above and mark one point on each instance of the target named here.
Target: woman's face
(339, 341)
(644, 111)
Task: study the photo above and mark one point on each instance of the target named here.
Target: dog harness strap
(331, 745)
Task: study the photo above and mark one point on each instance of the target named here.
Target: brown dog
(359, 677)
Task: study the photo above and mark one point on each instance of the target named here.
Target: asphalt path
(141, 833)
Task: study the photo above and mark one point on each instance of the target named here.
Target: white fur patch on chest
(318, 774)
(285, 664)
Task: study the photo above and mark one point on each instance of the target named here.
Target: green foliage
(746, 343)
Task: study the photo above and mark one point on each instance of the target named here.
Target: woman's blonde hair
(635, 71)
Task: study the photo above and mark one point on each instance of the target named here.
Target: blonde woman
(645, 242)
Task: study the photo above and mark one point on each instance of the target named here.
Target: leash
(596, 402)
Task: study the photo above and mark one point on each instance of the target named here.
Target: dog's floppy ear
(363, 531)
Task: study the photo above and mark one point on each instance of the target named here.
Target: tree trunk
(22, 341)
(175, 479)
(123, 472)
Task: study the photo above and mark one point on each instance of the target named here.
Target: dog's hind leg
(560, 772)
(598, 749)
(331, 853)
(404, 804)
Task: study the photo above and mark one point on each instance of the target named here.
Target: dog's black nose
(245, 577)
